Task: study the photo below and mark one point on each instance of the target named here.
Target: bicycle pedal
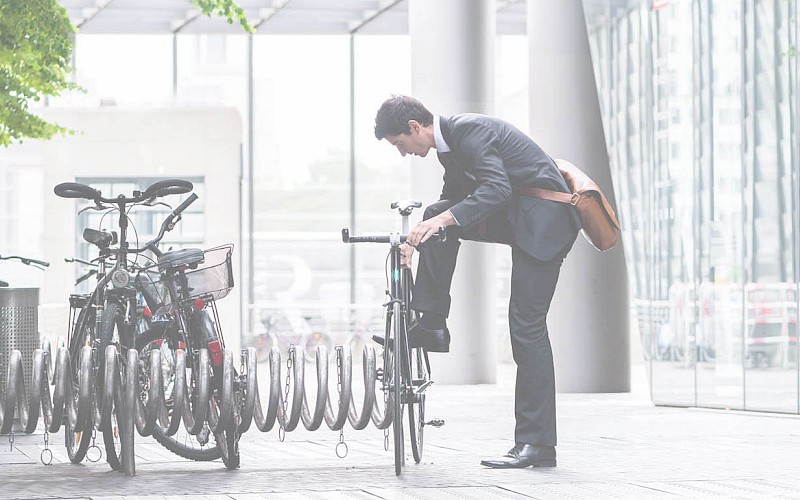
(436, 422)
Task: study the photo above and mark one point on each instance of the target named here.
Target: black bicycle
(405, 376)
(110, 314)
(191, 281)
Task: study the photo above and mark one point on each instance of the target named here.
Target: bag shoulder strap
(578, 182)
(545, 194)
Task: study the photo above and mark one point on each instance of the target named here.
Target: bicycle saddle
(179, 258)
(405, 207)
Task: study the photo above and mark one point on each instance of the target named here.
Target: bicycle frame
(398, 376)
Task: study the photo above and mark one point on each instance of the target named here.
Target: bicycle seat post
(405, 207)
(404, 226)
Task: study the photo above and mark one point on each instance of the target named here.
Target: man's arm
(427, 228)
(478, 148)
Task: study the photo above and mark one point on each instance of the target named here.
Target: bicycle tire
(228, 444)
(397, 397)
(416, 410)
(180, 443)
(111, 319)
(77, 441)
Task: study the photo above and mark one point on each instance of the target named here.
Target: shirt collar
(441, 145)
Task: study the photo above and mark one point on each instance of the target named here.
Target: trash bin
(19, 328)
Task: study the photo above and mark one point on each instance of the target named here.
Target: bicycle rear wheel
(200, 447)
(416, 408)
(228, 444)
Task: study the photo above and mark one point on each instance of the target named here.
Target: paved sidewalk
(611, 446)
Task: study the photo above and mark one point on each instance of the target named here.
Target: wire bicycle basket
(210, 280)
(213, 278)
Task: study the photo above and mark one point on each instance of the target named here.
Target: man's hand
(406, 254)
(427, 228)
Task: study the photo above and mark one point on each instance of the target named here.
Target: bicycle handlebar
(393, 238)
(26, 260)
(79, 261)
(167, 187)
(76, 190)
(156, 190)
(188, 201)
(167, 225)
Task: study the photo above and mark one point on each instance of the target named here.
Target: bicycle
(282, 331)
(111, 312)
(406, 372)
(38, 264)
(192, 280)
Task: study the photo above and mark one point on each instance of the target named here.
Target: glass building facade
(700, 107)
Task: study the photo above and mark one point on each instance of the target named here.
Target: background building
(699, 102)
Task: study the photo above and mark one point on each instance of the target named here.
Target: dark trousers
(533, 283)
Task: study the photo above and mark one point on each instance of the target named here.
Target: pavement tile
(610, 446)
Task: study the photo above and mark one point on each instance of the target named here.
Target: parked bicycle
(109, 315)
(38, 264)
(406, 372)
(282, 330)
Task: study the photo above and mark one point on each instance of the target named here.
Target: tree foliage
(228, 9)
(36, 41)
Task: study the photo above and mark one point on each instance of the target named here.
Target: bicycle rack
(88, 408)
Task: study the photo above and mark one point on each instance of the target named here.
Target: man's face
(414, 143)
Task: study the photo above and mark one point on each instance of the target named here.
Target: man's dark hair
(393, 116)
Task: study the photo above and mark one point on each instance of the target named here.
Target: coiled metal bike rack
(89, 405)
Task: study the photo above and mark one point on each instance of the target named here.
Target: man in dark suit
(484, 160)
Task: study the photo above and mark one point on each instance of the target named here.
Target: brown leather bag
(600, 225)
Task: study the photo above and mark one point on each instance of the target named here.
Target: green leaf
(36, 42)
(228, 9)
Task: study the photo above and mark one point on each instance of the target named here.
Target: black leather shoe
(524, 455)
(513, 452)
(430, 340)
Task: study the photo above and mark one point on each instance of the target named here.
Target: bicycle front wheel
(113, 331)
(77, 440)
(396, 361)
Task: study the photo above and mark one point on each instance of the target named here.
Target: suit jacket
(490, 155)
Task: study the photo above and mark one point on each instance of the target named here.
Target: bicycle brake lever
(97, 207)
(151, 204)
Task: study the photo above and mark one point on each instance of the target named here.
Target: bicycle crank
(436, 422)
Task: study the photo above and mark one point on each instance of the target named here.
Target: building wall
(161, 142)
(700, 109)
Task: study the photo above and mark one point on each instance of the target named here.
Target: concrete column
(452, 49)
(589, 317)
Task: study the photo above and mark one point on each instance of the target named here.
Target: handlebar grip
(76, 190)
(346, 238)
(38, 262)
(188, 201)
(167, 187)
